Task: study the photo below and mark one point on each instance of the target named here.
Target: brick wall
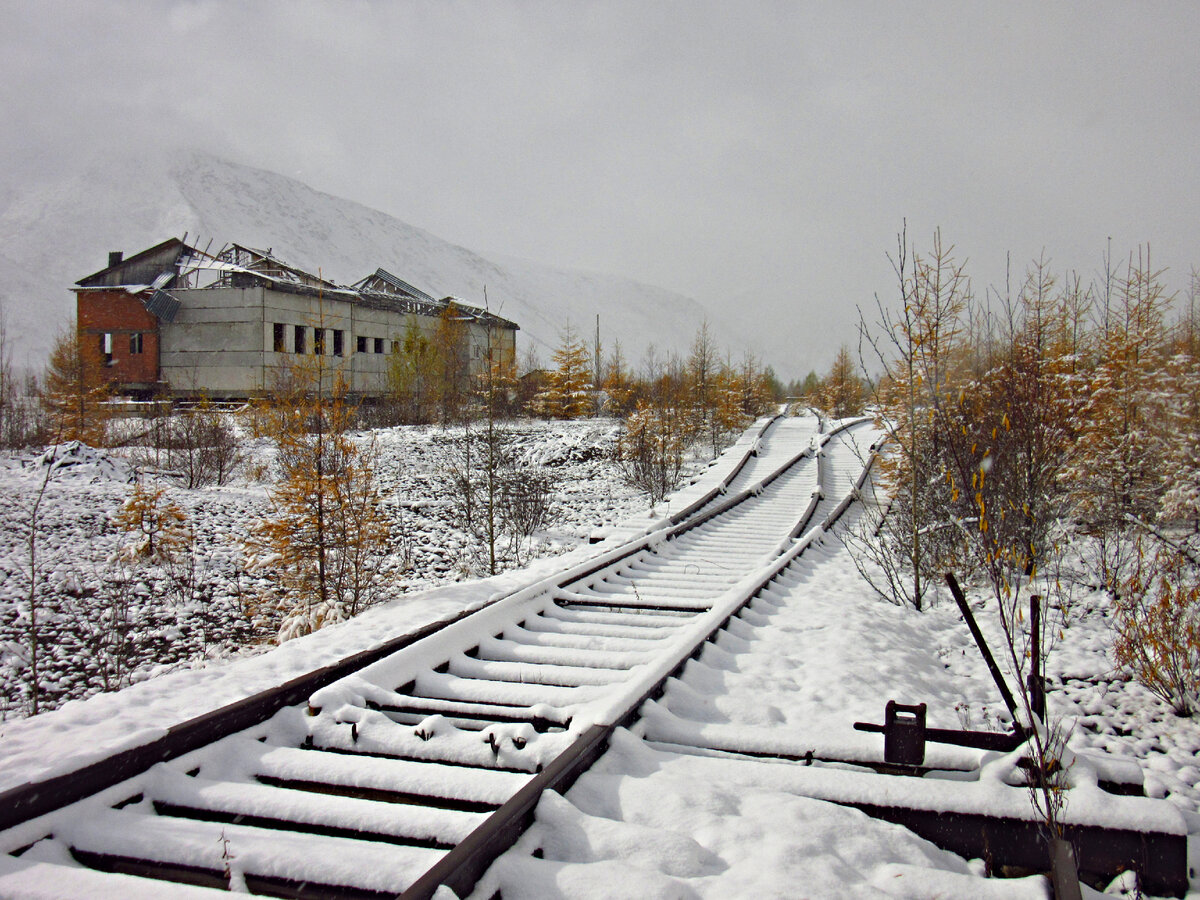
(121, 317)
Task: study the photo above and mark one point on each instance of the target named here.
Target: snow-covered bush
(650, 451)
(1158, 626)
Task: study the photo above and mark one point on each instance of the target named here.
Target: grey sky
(760, 156)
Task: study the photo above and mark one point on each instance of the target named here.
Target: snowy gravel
(103, 625)
(32, 749)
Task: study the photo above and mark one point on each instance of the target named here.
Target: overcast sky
(754, 155)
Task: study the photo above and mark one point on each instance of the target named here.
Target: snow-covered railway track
(418, 768)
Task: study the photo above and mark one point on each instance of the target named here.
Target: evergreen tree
(326, 540)
(73, 391)
(1119, 461)
(568, 394)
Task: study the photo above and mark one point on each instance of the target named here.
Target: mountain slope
(54, 233)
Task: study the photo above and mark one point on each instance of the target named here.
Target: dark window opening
(378, 345)
(319, 341)
(339, 342)
(361, 346)
(395, 346)
(298, 339)
(279, 338)
(106, 348)
(135, 343)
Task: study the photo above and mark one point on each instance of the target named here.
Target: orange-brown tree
(568, 393)
(73, 389)
(326, 540)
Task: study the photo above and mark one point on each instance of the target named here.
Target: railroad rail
(407, 769)
(381, 774)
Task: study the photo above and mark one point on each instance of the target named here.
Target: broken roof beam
(386, 281)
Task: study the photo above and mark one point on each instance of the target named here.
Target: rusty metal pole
(997, 677)
(1036, 682)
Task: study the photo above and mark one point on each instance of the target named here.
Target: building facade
(175, 320)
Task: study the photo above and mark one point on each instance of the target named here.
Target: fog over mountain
(54, 232)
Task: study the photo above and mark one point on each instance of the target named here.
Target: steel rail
(30, 801)
(24, 802)
(462, 867)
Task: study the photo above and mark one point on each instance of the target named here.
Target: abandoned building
(180, 321)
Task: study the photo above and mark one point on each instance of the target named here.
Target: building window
(319, 341)
(106, 348)
(279, 338)
(339, 342)
(298, 339)
(361, 346)
(135, 344)
(395, 346)
(378, 345)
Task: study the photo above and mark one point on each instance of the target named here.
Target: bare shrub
(650, 450)
(525, 508)
(1158, 625)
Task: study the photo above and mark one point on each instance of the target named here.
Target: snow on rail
(33, 750)
(416, 771)
(503, 694)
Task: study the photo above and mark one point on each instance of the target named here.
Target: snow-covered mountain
(55, 232)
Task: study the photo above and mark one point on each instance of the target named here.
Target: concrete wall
(215, 345)
(222, 343)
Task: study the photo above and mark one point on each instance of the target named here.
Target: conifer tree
(650, 451)
(618, 384)
(451, 364)
(73, 390)
(728, 416)
(916, 349)
(570, 383)
(158, 526)
(1116, 473)
(411, 375)
(703, 366)
(759, 387)
(842, 392)
(1181, 502)
(327, 537)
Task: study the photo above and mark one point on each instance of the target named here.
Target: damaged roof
(173, 264)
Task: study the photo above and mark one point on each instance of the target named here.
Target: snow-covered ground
(102, 625)
(812, 655)
(75, 536)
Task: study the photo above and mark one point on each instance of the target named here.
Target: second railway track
(420, 767)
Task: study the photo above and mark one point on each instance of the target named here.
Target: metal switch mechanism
(904, 734)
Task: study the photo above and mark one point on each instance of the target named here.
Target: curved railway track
(413, 765)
